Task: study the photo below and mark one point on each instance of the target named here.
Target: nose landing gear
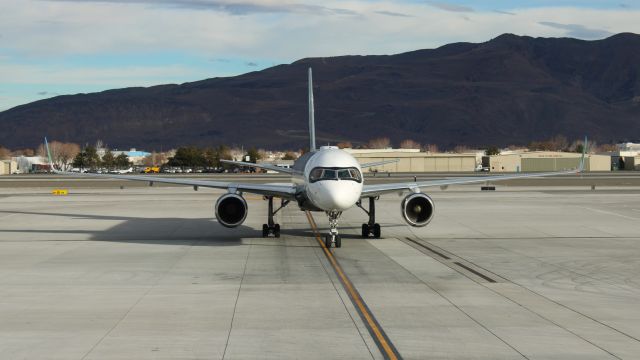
(271, 227)
(333, 238)
(372, 227)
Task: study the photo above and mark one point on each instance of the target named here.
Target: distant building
(628, 146)
(543, 161)
(413, 161)
(8, 167)
(29, 164)
(135, 156)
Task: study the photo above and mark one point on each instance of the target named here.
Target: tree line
(88, 158)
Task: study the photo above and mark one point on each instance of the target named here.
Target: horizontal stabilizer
(260, 166)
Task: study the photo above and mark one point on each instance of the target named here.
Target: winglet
(581, 166)
(46, 145)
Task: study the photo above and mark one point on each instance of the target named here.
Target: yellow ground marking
(352, 292)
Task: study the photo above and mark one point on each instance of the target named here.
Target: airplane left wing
(285, 191)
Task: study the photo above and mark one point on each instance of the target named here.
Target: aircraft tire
(365, 230)
(327, 241)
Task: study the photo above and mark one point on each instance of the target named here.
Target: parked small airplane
(328, 180)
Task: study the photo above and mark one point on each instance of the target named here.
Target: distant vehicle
(124, 171)
(151, 170)
(326, 180)
(482, 168)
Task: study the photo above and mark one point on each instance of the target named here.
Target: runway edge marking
(381, 339)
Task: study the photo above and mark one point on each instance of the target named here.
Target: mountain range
(509, 90)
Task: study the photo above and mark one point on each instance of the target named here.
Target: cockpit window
(319, 173)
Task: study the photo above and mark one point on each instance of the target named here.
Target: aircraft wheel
(376, 230)
(327, 241)
(365, 230)
(265, 230)
(338, 241)
(276, 230)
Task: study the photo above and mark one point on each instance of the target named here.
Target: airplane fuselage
(328, 179)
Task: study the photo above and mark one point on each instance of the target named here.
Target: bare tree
(290, 156)
(432, 148)
(61, 153)
(156, 159)
(606, 148)
(409, 144)
(4, 153)
(345, 145)
(23, 152)
(460, 149)
(559, 143)
(379, 143)
(68, 152)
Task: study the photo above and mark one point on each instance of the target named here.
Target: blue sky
(54, 47)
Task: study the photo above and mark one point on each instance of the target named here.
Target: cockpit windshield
(320, 173)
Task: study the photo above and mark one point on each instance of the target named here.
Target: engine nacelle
(231, 210)
(417, 209)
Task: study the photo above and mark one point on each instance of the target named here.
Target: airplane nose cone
(337, 195)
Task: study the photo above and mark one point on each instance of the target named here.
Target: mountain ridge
(509, 90)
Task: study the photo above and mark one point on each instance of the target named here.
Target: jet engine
(417, 209)
(231, 210)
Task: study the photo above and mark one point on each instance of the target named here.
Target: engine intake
(231, 210)
(417, 209)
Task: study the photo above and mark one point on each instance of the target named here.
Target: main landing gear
(271, 227)
(333, 238)
(372, 227)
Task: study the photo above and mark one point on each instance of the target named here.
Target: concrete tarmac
(147, 273)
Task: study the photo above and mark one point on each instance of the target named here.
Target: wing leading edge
(286, 191)
(260, 166)
(379, 189)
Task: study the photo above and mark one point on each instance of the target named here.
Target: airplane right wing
(260, 166)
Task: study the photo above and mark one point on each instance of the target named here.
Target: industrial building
(538, 161)
(412, 160)
(8, 167)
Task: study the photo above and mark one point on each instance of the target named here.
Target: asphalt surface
(147, 273)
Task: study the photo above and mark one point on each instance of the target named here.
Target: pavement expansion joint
(461, 265)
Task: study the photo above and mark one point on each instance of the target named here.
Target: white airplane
(326, 179)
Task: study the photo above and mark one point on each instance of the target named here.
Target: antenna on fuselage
(312, 127)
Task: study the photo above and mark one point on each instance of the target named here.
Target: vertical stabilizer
(312, 127)
(581, 165)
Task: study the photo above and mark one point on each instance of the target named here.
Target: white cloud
(37, 34)
(50, 28)
(113, 76)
